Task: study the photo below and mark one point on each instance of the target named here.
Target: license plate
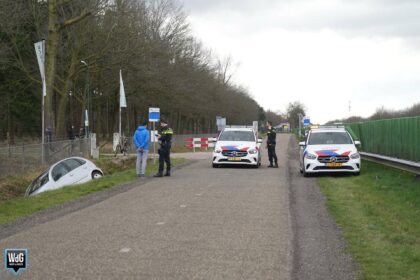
(334, 164)
(234, 159)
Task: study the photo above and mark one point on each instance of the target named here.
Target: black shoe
(158, 175)
(168, 174)
(271, 165)
(276, 165)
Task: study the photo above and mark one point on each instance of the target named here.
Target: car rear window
(329, 138)
(237, 136)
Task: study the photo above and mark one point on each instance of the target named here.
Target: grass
(379, 212)
(116, 173)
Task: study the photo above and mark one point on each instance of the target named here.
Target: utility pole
(87, 95)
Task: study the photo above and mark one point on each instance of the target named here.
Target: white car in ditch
(237, 145)
(69, 171)
(329, 149)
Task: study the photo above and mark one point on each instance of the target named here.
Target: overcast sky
(323, 53)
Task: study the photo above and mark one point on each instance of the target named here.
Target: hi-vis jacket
(166, 136)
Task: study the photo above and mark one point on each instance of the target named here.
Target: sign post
(154, 116)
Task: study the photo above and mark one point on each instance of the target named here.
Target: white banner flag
(123, 101)
(40, 55)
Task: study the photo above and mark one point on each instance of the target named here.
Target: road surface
(201, 223)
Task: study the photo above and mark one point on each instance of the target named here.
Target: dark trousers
(272, 153)
(164, 157)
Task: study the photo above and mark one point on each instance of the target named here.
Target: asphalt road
(201, 223)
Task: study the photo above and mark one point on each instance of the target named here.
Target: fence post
(23, 158)
(9, 157)
(71, 147)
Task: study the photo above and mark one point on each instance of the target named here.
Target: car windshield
(321, 138)
(38, 182)
(231, 135)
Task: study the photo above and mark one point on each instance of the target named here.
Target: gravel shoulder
(319, 249)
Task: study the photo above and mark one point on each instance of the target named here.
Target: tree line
(163, 65)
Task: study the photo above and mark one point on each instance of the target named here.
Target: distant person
(49, 134)
(271, 145)
(71, 132)
(141, 141)
(165, 138)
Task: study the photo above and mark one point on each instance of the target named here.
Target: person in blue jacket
(141, 141)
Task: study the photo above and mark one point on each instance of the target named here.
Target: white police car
(237, 145)
(329, 149)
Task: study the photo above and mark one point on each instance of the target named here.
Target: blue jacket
(141, 138)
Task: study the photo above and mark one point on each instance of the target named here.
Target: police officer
(271, 145)
(165, 137)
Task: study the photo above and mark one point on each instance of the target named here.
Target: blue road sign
(154, 114)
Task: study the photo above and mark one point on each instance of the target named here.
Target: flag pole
(120, 122)
(123, 101)
(43, 131)
(40, 55)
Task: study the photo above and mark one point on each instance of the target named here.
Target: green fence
(399, 138)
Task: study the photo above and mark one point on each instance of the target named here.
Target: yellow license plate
(234, 159)
(334, 164)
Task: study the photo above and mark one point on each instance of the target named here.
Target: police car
(329, 149)
(237, 145)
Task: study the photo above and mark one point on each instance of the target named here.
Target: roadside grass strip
(379, 213)
(19, 206)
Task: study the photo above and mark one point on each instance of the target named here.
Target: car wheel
(215, 165)
(97, 174)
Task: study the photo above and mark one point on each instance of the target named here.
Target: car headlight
(355, 156)
(252, 151)
(217, 151)
(310, 156)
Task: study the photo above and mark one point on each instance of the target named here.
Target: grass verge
(115, 174)
(379, 212)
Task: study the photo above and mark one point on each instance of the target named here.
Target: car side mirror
(302, 144)
(259, 141)
(357, 143)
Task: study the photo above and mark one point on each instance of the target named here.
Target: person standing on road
(165, 137)
(271, 145)
(141, 141)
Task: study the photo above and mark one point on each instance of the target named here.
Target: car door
(78, 170)
(59, 174)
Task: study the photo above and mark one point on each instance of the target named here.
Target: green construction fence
(398, 138)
